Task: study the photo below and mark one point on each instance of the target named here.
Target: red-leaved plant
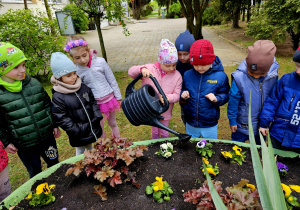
(108, 162)
(240, 196)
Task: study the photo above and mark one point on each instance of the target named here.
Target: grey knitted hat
(61, 65)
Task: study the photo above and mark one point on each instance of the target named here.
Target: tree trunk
(295, 39)
(235, 20)
(249, 11)
(98, 24)
(243, 11)
(136, 10)
(158, 11)
(50, 17)
(25, 4)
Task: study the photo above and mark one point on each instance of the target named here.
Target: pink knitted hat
(167, 53)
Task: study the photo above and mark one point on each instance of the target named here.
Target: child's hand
(211, 97)
(233, 128)
(120, 102)
(146, 72)
(185, 94)
(162, 99)
(264, 131)
(56, 133)
(11, 149)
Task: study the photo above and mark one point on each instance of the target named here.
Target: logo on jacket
(296, 116)
(212, 81)
(86, 96)
(51, 153)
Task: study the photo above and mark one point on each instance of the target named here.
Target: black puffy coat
(78, 114)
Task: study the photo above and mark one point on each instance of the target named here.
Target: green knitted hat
(10, 57)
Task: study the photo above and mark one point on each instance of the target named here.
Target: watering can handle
(130, 89)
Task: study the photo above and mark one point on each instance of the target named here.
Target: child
(168, 78)
(96, 74)
(205, 89)
(26, 124)
(74, 108)
(281, 111)
(258, 73)
(5, 189)
(183, 44)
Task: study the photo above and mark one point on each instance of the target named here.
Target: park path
(142, 45)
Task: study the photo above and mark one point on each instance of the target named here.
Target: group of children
(188, 72)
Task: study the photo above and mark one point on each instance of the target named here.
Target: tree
(136, 6)
(193, 10)
(275, 20)
(113, 11)
(48, 11)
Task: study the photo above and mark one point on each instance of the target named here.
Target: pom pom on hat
(184, 41)
(261, 56)
(167, 53)
(296, 57)
(202, 53)
(10, 57)
(61, 65)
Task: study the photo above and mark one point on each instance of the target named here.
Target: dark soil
(181, 171)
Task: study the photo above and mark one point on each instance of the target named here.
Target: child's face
(17, 73)
(297, 68)
(256, 76)
(168, 68)
(183, 56)
(81, 56)
(70, 78)
(202, 69)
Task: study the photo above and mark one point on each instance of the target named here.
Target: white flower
(163, 147)
(201, 144)
(170, 145)
(167, 154)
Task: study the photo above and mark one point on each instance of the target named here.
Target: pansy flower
(286, 189)
(201, 144)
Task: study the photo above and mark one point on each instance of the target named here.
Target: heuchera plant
(166, 150)
(204, 148)
(161, 190)
(282, 169)
(210, 169)
(109, 162)
(43, 195)
(236, 155)
(240, 196)
(290, 200)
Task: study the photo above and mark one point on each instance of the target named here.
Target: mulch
(182, 171)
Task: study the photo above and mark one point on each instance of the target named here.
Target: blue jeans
(240, 137)
(210, 133)
(32, 159)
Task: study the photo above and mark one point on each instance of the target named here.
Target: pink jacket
(3, 157)
(170, 84)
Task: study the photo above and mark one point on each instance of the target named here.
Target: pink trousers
(160, 133)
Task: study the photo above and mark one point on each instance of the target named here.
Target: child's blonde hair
(74, 43)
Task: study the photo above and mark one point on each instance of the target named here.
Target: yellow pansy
(295, 188)
(251, 186)
(29, 196)
(43, 188)
(52, 186)
(286, 189)
(159, 183)
(226, 154)
(290, 198)
(155, 188)
(236, 148)
(205, 160)
(210, 171)
(238, 153)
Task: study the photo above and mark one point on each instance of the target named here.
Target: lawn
(19, 175)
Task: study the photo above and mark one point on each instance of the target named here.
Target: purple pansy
(201, 144)
(281, 167)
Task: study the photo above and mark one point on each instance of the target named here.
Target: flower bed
(181, 171)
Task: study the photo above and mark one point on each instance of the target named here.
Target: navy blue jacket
(199, 111)
(281, 111)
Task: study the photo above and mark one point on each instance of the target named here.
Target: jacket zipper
(290, 105)
(87, 116)
(261, 96)
(31, 114)
(198, 96)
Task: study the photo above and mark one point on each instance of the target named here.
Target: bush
(211, 16)
(148, 11)
(79, 17)
(30, 31)
(175, 11)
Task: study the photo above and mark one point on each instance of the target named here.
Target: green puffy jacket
(25, 117)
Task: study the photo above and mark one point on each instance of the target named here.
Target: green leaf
(166, 198)
(157, 195)
(214, 194)
(170, 190)
(149, 190)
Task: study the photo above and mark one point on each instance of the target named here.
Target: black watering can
(143, 107)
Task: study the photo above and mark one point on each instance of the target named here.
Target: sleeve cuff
(232, 122)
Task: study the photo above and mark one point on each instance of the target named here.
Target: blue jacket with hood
(199, 111)
(238, 104)
(281, 111)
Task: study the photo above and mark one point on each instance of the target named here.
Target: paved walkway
(142, 45)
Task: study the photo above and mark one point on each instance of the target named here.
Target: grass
(19, 175)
